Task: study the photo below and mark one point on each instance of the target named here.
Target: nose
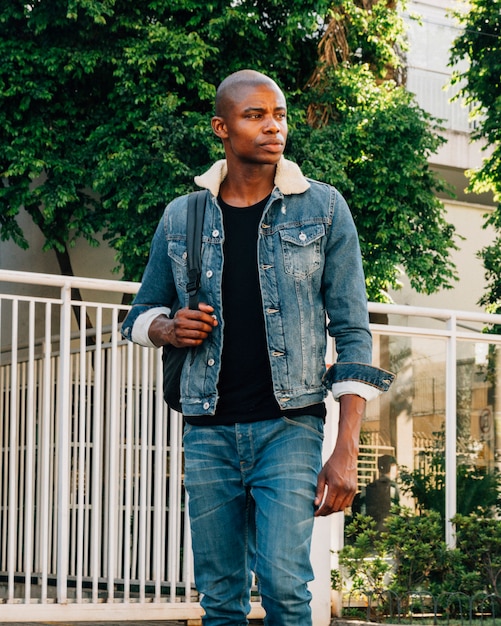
(271, 125)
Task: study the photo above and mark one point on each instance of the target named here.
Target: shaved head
(226, 91)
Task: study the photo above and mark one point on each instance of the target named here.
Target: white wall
(86, 260)
(468, 220)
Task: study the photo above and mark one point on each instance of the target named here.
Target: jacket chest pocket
(177, 254)
(301, 249)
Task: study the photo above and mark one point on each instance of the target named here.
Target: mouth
(273, 146)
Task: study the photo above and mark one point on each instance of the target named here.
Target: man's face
(254, 125)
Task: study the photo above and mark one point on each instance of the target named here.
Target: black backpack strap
(194, 224)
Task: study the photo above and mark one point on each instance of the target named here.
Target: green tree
(480, 46)
(106, 106)
(85, 88)
(367, 135)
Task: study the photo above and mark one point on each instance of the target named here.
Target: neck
(245, 187)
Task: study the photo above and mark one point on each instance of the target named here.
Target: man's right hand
(187, 329)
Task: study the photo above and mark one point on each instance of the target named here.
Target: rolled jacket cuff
(142, 325)
(353, 387)
(362, 373)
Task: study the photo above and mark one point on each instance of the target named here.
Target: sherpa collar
(288, 177)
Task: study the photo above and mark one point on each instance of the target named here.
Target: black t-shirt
(245, 384)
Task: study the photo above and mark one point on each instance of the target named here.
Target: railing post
(45, 448)
(30, 456)
(97, 535)
(450, 431)
(13, 497)
(63, 418)
(113, 481)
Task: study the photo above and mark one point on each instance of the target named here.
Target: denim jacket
(311, 279)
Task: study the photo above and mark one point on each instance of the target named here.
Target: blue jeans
(251, 489)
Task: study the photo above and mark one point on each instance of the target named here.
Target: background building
(428, 76)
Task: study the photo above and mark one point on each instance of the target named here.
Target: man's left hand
(337, 482)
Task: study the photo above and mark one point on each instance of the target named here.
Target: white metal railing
(453, 327)
(92, 511)
(93, 520)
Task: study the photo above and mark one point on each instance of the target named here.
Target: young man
(382, 493)
(281, 262)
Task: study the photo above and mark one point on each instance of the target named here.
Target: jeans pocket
(187, 428)
(308, 422)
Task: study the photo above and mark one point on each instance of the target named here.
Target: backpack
(173, 358)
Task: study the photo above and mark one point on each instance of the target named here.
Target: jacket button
(209, 273)
(210, 362)
(206, 405)
(215, 233)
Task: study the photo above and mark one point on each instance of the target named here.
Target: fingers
(207, 308)
(319, 496)
(335, 492)
(332, 501)
(191, 327)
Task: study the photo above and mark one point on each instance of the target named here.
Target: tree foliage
(480, 46)
(378, 145)
(106, 109)
(88, 92)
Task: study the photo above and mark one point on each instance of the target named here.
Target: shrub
(479, 546)
(411, 559)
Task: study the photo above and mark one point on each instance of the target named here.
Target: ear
(219, 127)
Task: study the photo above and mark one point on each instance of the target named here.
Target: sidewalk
(336, 621)
(123, 623)
(116, 623)
(255, 622)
